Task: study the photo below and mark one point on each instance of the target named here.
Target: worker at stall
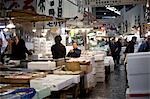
(58, 49)
(145, 46)
(75, 52)
(19, 49)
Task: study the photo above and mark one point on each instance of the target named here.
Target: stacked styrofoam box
(36, 45)
(129, 96)
(138, 72)
(42, 93)
(48, 46)
(39, 45)
(108, 61)
(76, 78)
(100, 71)
(45, 65)
(89, 80)
(36, 56)
(55, 82)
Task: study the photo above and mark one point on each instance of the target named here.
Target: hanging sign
(20, 4)
(50, 7)
(101, 3)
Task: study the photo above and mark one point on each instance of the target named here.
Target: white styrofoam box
(59, 82)
(76, 78)
(99, 57)
(89, 80)
(100, 74)
(108, 61)
(55, 82)
(100, 69)
(100, 65)
(138, 63)
(139, 83)
(38, 83)
(128, 93)
(42, 65)
(36, 56)
(93, 70)
(42, 93)
(100, 79)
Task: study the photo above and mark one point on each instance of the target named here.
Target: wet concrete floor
(113, 88)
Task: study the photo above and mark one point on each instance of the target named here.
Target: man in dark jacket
(19, 49)
(113, 48)
(129, 49)
(58, 49)
(130, 46)
(75, 52)
(118, 50)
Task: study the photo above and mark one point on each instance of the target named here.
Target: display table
(18, 77)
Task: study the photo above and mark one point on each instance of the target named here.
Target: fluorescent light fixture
(113, 9)
(44, 32)
(10, 25)
(2, 27)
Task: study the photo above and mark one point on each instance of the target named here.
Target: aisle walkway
(114, 88)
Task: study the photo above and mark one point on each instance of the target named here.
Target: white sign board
(98, 3)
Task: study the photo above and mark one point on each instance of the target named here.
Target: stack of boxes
(138, 73)
(39, 45)
(100, 71)
(42, 46)
(99, 67)
(42, 65)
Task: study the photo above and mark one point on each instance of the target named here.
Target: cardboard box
(86, 68)
(73, 66)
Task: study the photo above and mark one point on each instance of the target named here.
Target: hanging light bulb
(34, 30)
(5, 29)
(10, 25)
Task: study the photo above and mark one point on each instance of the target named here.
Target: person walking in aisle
(129, 49)
(118, 50)
(58, 49)
(113, 49)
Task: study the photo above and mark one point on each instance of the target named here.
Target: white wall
(130, 16)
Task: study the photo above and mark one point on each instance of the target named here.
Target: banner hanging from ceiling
(20, 4)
